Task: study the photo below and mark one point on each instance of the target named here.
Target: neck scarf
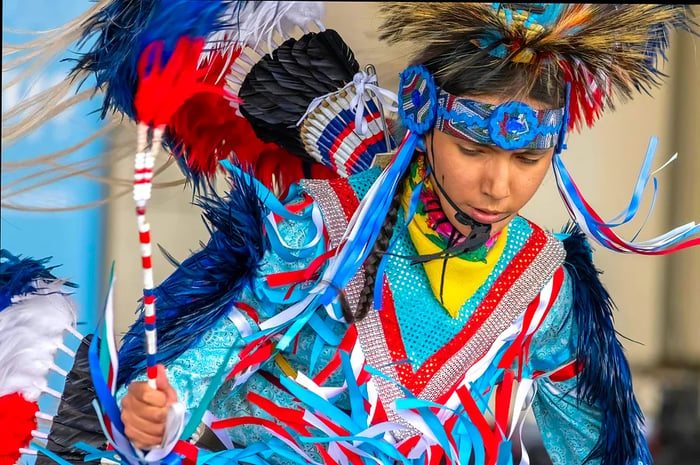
(455, 278)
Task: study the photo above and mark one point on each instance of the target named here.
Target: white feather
(31, 331)
(254, 25)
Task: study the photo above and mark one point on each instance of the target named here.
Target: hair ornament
(417, 99)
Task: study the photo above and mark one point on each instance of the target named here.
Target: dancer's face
(488, 183)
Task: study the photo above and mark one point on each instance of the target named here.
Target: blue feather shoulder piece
(605, 378)
(204, 286)
(18, 276)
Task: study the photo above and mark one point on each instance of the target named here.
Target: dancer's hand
(145, 410)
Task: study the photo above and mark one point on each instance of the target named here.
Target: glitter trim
(337, 201)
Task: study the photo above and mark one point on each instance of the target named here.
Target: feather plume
(280, 87)
(203, 287)
(605, 378)
(254, 24)
(163, 88)
(20, 276)
(606, 51)
(17, 421)
(29, 340)
(123, 29)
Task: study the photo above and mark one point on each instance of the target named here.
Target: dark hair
(375, 256)
(509, 80)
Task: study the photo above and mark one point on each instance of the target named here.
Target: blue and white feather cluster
(18, 276)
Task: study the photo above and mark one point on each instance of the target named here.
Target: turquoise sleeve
(569, 426)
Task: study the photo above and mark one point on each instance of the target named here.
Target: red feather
(161, 90)
(17, 421)
(585, 99)
(287, 169)
(206, 128)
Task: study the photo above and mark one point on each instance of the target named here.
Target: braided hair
(375, 257)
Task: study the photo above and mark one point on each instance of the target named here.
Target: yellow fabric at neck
(462, 277)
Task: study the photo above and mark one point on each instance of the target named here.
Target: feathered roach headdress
(603, 51)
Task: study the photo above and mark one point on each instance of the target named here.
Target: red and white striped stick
(143, 174)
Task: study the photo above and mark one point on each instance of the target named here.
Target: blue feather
(203, 287)
(605, 379)
(124, 28)
(17, 276)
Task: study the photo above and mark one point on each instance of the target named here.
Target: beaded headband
(511, 125)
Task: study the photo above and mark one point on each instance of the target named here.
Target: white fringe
(31, 331)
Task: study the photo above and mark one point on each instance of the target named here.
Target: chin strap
(480, 232)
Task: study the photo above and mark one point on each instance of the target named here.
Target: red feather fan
(193, 100)
(206, 128)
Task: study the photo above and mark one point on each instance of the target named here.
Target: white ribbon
(362, 81)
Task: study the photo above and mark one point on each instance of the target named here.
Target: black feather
(279, 88)
(76, 420)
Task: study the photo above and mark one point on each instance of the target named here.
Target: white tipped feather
(256, 24)
(31, 331)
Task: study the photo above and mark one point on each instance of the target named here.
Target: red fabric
(346, 345)
(475, 415)
(263, 353)
(187, 451)
(415, 381)
(17, 421)
(504, 393)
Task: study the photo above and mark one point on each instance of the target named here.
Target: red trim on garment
(521, 343)
(346, 196)
(416, 380)
(558, 282)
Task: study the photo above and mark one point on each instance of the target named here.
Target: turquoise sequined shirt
(569, 427)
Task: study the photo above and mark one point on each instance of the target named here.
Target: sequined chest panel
(386, 337)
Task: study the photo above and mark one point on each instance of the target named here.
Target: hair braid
(375, 256)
